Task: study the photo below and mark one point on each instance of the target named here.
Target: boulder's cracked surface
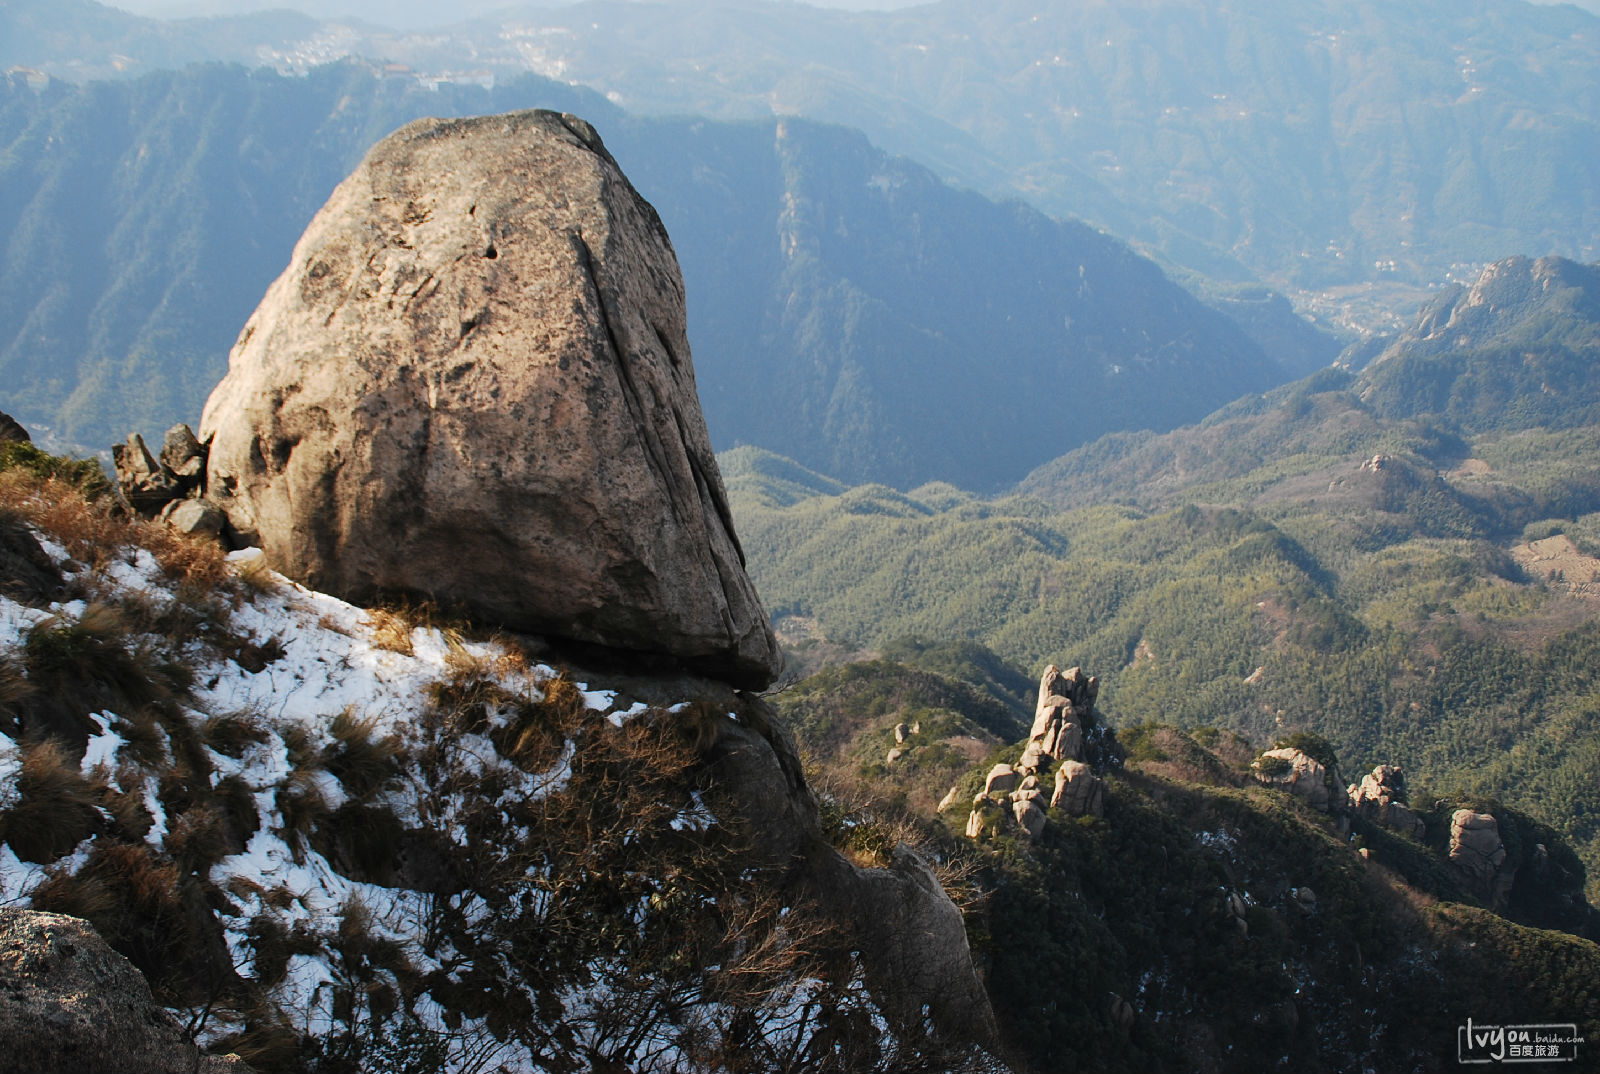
(473, 385)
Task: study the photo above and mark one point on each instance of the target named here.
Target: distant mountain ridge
(1319, 145)
(843, 304)
(1514, 352)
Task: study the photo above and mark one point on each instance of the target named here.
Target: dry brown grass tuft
(230, 734)
(563, 701)
(304, 754)
(147, 742)
(60, 510)
(513, 658)
(197, 837)
(304, 811)
(266, 1042)
(198, 563)
(88, 665)
(391, 630)
(463, 665)
(15, 689)
(55, 810)
(392, 625)
(87, 525)
(272, 945)
(363, 761)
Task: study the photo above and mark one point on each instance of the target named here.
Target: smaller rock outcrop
(1381, 798)
(1065, 701)
(1479, 856)
(1025, 808)
(153, 487)
(1078, 790)
(1301, 775)
(1002, 779)
(1304, 900)
(141, 482)
(1239, 911)
(1055, 745)
(1120, 1010)
(985, 816)
(200, 518)
(70, 1004)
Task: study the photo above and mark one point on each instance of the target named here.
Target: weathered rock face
(69, 1004)
(1078, 790)
(1381, 798)
(1302, 775)
(1002, 779)
(1479, 855)
(473, 384)
(911, 935)
(1065, 699)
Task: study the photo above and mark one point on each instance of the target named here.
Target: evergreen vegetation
(1320, 559)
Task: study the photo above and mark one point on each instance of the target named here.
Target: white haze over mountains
(415, 14)
(418, 14)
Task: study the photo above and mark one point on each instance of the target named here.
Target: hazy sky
(399, 13)
(412, 14)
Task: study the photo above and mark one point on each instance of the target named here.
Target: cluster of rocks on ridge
(472, 385)
(1381, 798)
(170, 487)
(1476, 851)
(1302, 775)
(1017, 793)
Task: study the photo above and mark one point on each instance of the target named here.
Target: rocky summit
(473, 385)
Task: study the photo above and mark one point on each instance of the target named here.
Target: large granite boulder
(473, 384)
(69, 1004)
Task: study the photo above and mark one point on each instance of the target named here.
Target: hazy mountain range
(1318, 146)
(843, 303)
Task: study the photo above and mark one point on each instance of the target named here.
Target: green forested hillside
(1205, 922)
(1300, 561)
(1374, 974)
(842, 303)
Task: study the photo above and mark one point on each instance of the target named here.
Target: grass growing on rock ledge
(336, 840)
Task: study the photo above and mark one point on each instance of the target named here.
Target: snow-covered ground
(331, 660)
